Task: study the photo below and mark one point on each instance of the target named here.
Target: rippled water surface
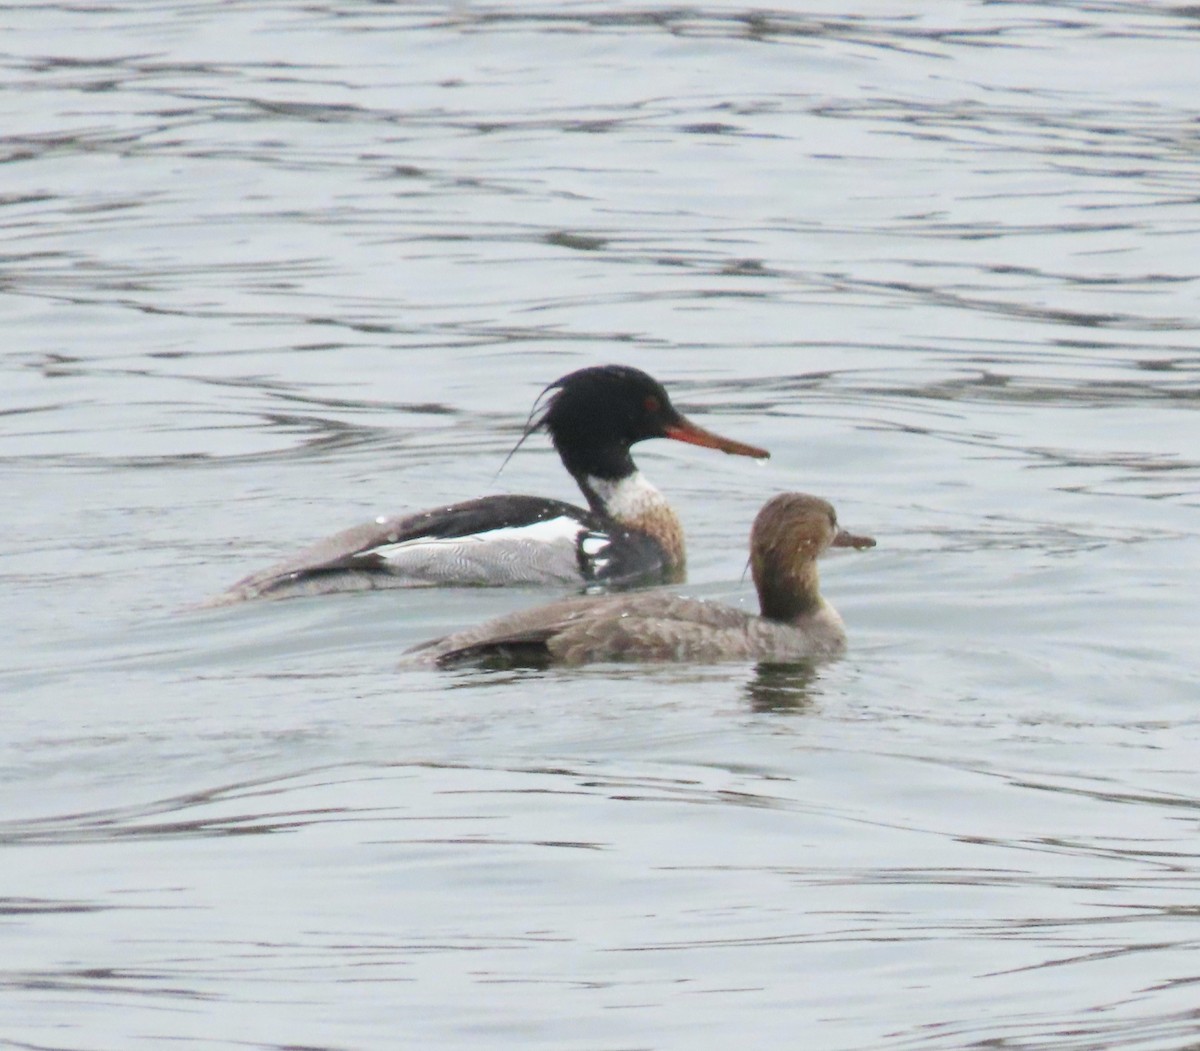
(270, 269)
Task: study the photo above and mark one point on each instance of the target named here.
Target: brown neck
(787, 593)
(639, 506)
(664, 525)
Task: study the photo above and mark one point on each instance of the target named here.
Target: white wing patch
(542, 552)
(594, 546)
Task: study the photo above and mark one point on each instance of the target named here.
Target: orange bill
(683, 430)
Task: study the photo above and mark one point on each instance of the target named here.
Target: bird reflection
(781, 687)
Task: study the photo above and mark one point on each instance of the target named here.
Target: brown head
(790, 533)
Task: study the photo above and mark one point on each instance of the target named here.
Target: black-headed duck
(628, 534)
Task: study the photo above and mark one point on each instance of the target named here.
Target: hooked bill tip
(860, 543)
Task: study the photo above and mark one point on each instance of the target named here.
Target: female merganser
(628, 533)
(796, 623)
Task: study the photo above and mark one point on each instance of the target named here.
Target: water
(272, 269)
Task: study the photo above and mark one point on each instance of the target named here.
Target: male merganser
(790, 532)
(628, 533)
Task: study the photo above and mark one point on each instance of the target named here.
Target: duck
(627, 535)
(794, 622)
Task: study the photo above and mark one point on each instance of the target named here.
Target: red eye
(651, 403)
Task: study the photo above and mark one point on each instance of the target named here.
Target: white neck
(629, 499)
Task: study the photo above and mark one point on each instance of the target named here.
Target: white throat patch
(627, 499)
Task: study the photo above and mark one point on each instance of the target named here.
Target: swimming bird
(627, 534)
(795, 622)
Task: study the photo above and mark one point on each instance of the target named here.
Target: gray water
(271, 269)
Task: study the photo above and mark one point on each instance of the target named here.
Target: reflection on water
(270, 270)
(781, 687)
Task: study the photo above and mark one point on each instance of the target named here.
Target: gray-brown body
(648, 626)
(795, 623)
